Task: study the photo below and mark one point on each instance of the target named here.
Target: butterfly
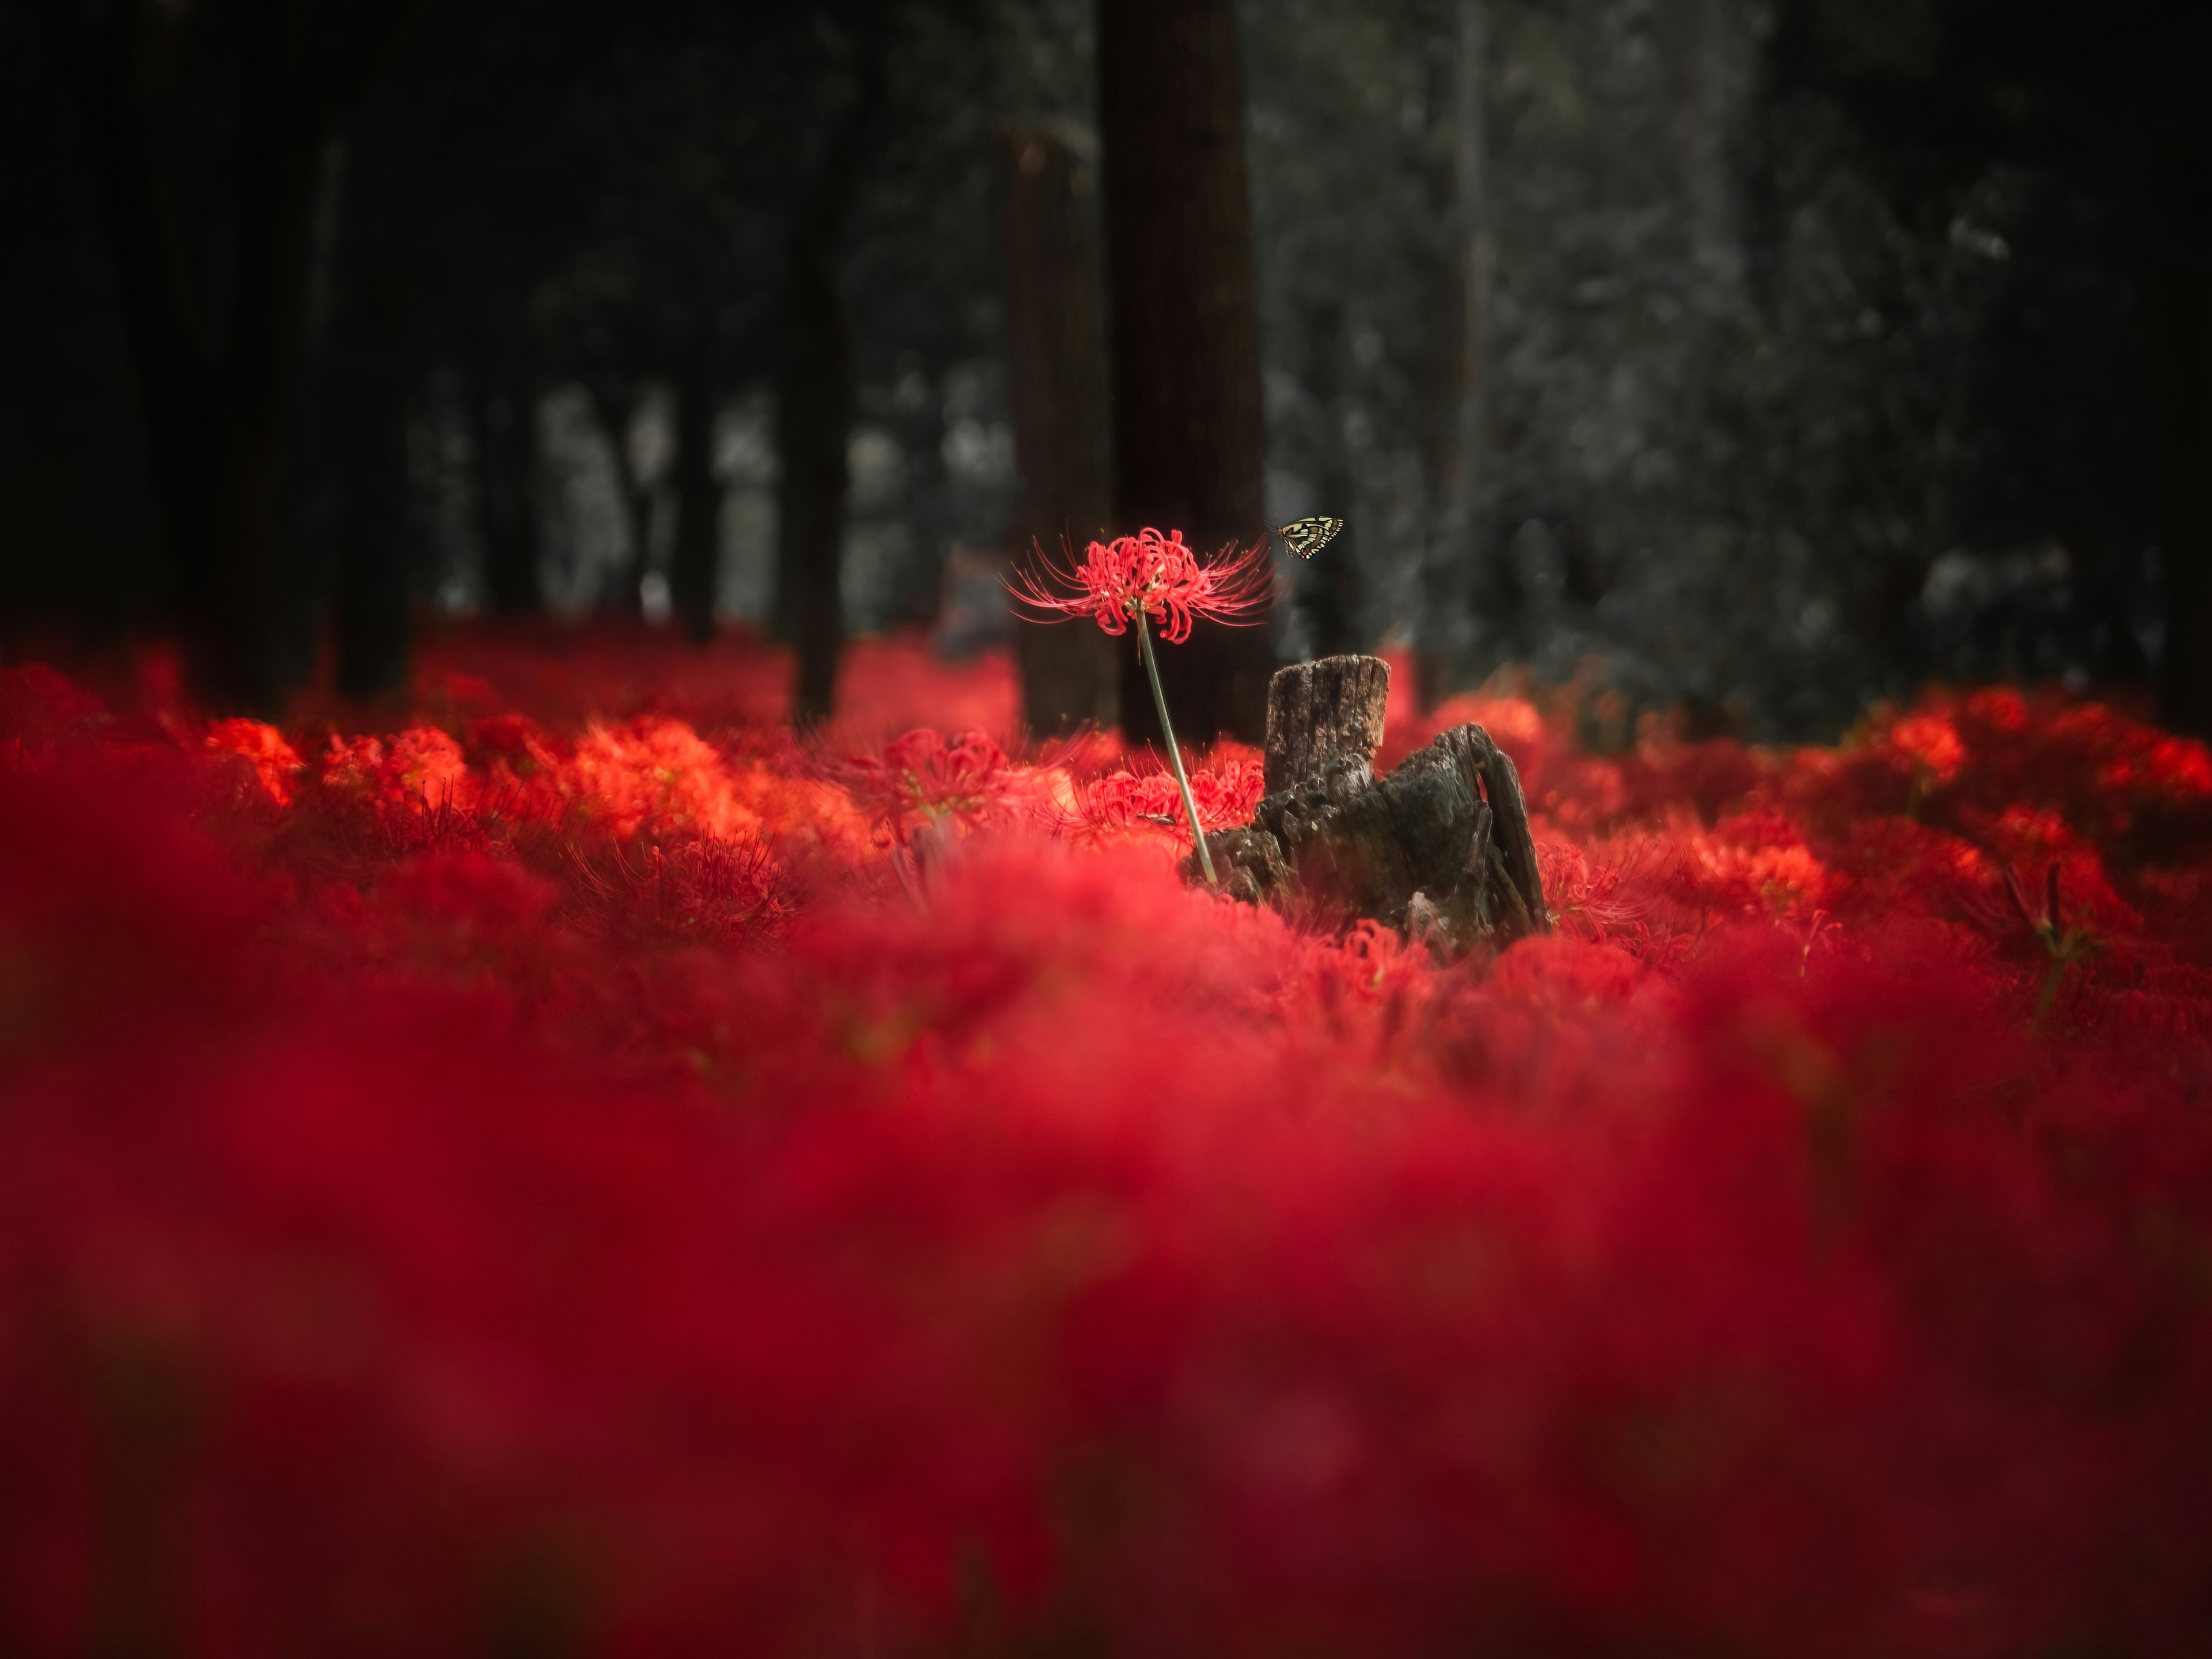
(1307, 536)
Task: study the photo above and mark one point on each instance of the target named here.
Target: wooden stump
(1439, 849)
(1323, 713)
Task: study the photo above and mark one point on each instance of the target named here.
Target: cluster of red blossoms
(571, 1167)
(1149, 574)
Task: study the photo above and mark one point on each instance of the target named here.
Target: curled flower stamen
(1124, 582)
(1149, 574)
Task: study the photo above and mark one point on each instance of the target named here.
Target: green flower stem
(1167, 731)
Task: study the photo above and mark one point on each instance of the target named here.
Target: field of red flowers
(572, 1168)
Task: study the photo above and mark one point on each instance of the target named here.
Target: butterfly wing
(1307, 536)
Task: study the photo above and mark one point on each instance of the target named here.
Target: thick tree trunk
(1328, 594)
(279, 160)
(814, 395)
(616, 408)
(369, 621)
(216, 417)
(814, 420)
(1460, 410)
(503, 432)
(695, 570)
(2178, 343)
(370, 624)
(1188, 438)
(1699, 46)
(1056, 369)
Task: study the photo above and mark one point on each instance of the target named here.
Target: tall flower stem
(1175, 755)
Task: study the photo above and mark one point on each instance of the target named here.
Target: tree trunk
(279, 159)
(1456, 478)
(814, 396)
(616, 408)
(369, 622)
(1056, 370)
(1329, 586)
(503, 433)
(695, 571)
(1324, 718)
(2178, 342)
(217, 419)
(814, 420)
(1188, 438)
(1699, 46)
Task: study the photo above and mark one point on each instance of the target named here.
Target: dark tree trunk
(1188, 441)
(279, 160)
(1457, 450)
(369, 622)
(814, 420)
(814, 395)
(2178, 342)
(696, 569)
(216, 417)
(615, 407)
(1325, 718)
(503, 433)
(1697, 38)
(1328, 589)
(1056, 369)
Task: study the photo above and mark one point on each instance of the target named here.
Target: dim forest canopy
(1081, 827)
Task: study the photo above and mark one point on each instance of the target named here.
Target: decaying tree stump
(1439, 849)
(1323, 713)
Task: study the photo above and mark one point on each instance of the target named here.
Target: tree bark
(1322, 715)
(216, 409)
(616, 408)
(503, 433)
(814, 419)
(695, 570)
(1188, 437)
(1699, 46)
(2177, 344)
(1457, 452)
(814, 395)
(1328, 594)
(1439, 849)
(369, 619)
(1056, 370)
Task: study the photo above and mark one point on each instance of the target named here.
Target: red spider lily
(706, 890)
(2068, 942)
(1154, 576)
(922, 778)
(1148, 575)
(1610, 893)
(1225, 795)
(499, 1159)
(274, 762)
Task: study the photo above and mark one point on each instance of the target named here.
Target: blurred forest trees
(1757, 358)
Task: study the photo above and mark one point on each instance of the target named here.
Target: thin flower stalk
(1149, 575)
(1174, 751)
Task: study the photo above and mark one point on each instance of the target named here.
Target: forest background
(1752, 359)
(512, 1144)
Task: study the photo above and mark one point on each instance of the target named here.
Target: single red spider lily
(1150, 575)
(924, 777)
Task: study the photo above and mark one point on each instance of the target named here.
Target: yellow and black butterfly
(1309, 535)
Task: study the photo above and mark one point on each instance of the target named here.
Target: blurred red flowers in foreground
(529, 1181)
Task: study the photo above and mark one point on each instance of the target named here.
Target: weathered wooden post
(1439, 849)
(1320, 713)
